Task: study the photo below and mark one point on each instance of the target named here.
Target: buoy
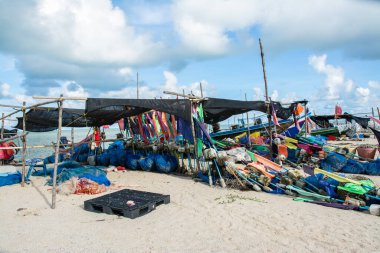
(374, 209)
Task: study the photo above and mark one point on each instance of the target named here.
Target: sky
(325, 51)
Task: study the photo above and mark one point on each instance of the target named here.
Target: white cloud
(374, 84)
(338, 88)
(335, 83)
(209, 26)
(5, 90)
(258, 93)
(170, 84)
(274, 95)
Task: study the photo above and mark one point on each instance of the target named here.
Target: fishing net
(132, 161)
(68, 170)
(373, 168)
(147, 163)
(333, 162)
(166, 163)
(10, 178)
(353, 167)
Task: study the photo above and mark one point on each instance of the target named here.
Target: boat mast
(266, 92)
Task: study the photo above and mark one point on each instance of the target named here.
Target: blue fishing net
(166, 163)
(147, 163)
(103, 159)
(373, 168)
(50, 159)
(333, 162)
(70, 169)
(10, 178)
(353, 167)
(132, 161)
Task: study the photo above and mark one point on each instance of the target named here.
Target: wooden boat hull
(284, 124)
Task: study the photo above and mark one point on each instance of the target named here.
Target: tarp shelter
(43, 119)
(323, 120)
(106, 111)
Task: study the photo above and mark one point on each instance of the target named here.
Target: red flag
(106, 126)
(338, 111)
(120, 122)
(275, 121)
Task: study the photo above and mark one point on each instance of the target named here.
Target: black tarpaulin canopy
(44, 119)
(106, 111)
(217, 109)
(323, 120)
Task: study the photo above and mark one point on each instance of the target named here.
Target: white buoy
(374, 209)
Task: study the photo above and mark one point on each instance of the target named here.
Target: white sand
(196, 220)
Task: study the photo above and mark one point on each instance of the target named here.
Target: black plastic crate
(116, 203)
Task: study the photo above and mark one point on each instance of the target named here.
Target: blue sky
(325, 51)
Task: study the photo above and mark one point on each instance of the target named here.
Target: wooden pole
(23, 144)
(137, 84)
(266, 91)
(200, 87)
(2, 126)
(249, 131)
(373, 112)
(56, 159)
(306, 129)
(378, 112)
(72, 141)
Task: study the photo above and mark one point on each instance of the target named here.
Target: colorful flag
(120, 122)
(275, 121)
(338, 111)
(106, 126)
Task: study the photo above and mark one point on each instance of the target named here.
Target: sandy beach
(199, 218)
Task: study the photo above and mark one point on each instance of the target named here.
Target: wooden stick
(59, 98)
(378, 112)
(249, 131)
(56, 160)
(266, 92)
(200, 87)
(72, 141)
(137, 85)
(23, 144)
(2, 126)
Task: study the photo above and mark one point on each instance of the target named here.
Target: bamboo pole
(200, 87)
(56, 159)
(72, 141)
(137, 84)
(2, 126)
(378, 112)
(23, 144)
(266, 92)
(249, 131)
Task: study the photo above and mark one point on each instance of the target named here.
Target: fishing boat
(284, 124)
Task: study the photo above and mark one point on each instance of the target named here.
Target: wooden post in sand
(249, 131)
(56, 159)
(266, 93)
(2, 126)
(23, 143)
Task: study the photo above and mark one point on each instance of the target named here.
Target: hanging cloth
(162, 125)
(142, 132)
